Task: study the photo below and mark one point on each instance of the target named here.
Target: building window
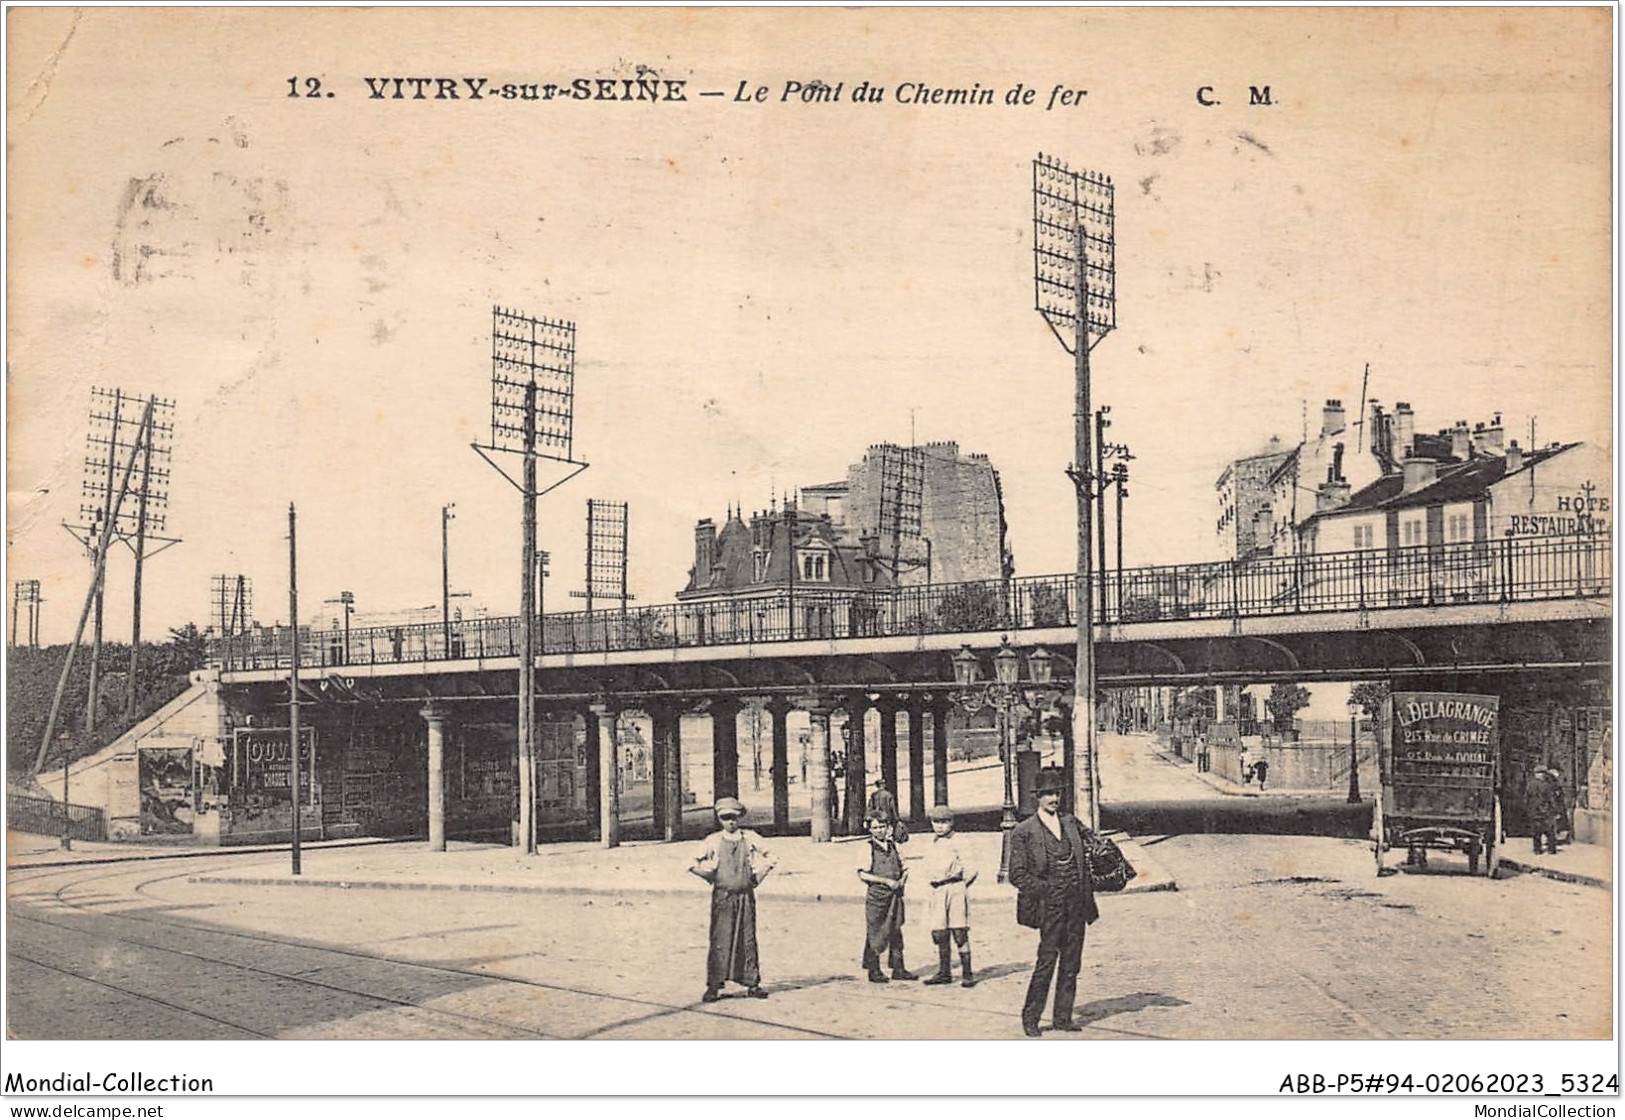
(1459, 528)
(1414, 532)
(1365, 536)
(815, 567)
(758, 566)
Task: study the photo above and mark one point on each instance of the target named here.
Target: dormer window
(814, 565)
(758, 571)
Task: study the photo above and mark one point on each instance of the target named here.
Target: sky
(762, 289)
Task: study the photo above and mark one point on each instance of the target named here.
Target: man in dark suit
(1050, 872)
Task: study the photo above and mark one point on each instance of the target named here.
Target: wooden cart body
(1438, 772)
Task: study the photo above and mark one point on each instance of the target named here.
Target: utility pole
(532, 402)
(1120, 479)
(446, 516)
(293, 680)
(104, 538)
(1102, 422)
(1075, 289)
(143, 496)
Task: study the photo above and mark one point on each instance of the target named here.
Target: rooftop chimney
(1331, 496)
(1461, 443)
(1489, 439)
(1514, 458)
(1404, 430)
(1331, 418)
(1419, 474)
(705, 552)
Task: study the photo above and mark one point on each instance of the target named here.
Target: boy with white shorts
(950, 877)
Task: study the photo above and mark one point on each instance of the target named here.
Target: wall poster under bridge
(259, 784)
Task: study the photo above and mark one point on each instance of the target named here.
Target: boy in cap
(734, 861)
(950, 877)
(883, 905)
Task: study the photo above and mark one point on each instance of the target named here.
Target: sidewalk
(1589, 865)
(1231, 789)
(806, 872)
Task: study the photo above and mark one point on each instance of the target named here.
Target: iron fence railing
(1509, 570)
(42, 816)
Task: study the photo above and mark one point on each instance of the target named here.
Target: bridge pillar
(856, 795)
(916, 761)
(601, 727)
(888, 747)
(668, 736)
(592, 778)
(724, 748)
(435, 717)
(818, 776)
(940, 707)
(780, 770)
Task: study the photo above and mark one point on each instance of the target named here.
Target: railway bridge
(415, 724)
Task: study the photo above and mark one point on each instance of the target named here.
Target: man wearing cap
(1055, 896)
(950, 876)
(1546, 809)
(734, 861)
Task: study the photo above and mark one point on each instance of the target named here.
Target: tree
(1284, 702)
(1370, 695)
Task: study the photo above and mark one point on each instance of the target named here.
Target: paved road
(1269, 936)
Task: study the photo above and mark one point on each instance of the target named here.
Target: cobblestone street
(1267, 936)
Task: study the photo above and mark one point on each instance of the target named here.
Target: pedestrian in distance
(950, 876)
(734, 861)
(1547, 813)
(1050, 871)
(1261, 771)
(882, 803)
(883, 905)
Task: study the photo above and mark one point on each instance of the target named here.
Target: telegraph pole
(293, 679)
(1102, 422)
(532, 402)
(1075, 289)
(100, 552)
(446, 516)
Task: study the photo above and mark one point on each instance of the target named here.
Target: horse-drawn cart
(1438, 772)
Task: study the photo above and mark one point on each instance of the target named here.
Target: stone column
(592, 778)
(668, 730)
(780, 769)
(940, 707)
(724, 748)
(657, 770)
(916, 761)
(602, 726)
(435, 717)
(855, 798)
(818, 710)
(888, 747)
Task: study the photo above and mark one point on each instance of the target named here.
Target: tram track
(61, 897)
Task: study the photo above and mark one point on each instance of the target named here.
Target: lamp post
(1002, 694)
(67, 818)
(1354, 753)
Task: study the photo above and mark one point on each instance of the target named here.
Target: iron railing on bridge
(1484, 572)
(42, 816)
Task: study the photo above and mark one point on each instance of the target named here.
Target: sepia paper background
(764, 289)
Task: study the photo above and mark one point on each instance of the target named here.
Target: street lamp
(1002, 694)
(1354, 752)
